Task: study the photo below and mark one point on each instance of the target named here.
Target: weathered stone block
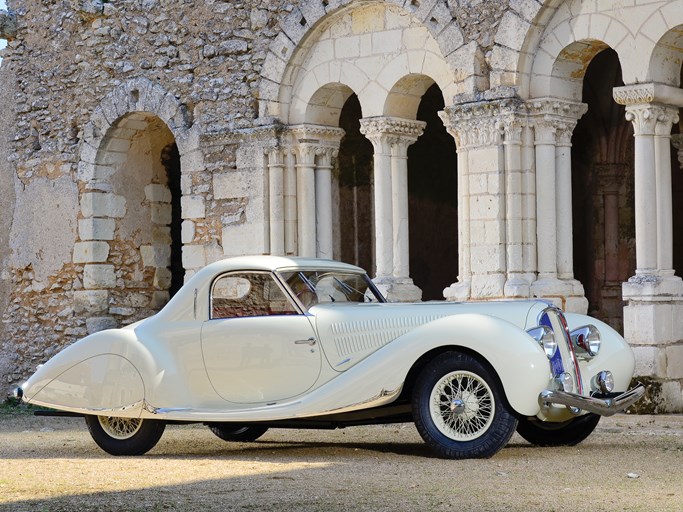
(100, 323)
(98, 276)
(91, 301)
(187, 231)
(90, 252)
(650, 361)
(194, 256)
(158, 193)
(155, 255)
(193, 207)
(95, 204)
(162, 278)
(674, 362)
(161, 213)
(243, 239)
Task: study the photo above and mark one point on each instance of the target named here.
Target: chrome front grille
(564, 359)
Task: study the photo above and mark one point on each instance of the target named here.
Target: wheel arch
(516, 360)
(419, 365)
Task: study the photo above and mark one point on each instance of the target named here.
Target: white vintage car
(261, 342)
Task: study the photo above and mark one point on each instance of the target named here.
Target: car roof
(270, 263)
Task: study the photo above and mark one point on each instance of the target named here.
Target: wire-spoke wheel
(459, 408)
(120, 428)
(462, 405)
(125, 436)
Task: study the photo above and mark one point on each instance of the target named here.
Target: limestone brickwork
(142, 139)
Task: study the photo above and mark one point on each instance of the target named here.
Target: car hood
(351, 332)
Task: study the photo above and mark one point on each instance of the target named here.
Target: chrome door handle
(309, 341)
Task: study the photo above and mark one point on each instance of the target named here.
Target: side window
(247, 294)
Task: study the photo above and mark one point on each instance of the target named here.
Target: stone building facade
(464, 149)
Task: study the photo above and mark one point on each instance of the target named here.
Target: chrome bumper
(601, 406)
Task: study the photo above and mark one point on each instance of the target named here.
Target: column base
(653, 287)
(567, 294)
(517, 287)
(398, 289)
(457, 292)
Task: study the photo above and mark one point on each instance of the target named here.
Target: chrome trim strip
(601, 406)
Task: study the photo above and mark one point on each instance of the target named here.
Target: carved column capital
(316, 140)
(386, 133)
(651, 119)
(554, 119)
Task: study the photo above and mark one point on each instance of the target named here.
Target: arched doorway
(131, 208)
(354, 172)
(433, 208)
(602, 184)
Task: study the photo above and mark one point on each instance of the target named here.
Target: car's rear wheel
(459, 408)
(236, 432)
(566, 433)
(125, 436)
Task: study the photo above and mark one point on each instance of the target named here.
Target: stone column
(390, 138)
(375, 131)
(323, 202)
(554, 121)
(515, 285)
(290, 203)
(276, 207)
(305, 195)
(652, 319)
(666, 117)
(316, 146)
(460, 290)
(482, 224)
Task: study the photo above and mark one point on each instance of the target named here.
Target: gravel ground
(51, 464)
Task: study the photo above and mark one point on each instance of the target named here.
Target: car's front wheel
(459, 408)
(236, 432)
(125, 436)
(567, 433)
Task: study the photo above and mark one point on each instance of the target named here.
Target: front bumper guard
(602, 405)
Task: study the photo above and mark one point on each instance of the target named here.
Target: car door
(257, 346)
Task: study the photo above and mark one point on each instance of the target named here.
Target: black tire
(125, 436)
(566, 433)
(236, 432)
(484, 423)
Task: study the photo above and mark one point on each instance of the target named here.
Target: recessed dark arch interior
(354, 168)
(170, 159)
(603, 192)
(433, 201)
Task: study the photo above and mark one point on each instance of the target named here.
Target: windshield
(313, 287)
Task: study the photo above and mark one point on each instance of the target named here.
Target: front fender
(519, 361)
(615, 354)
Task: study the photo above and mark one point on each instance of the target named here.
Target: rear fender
(95, 375)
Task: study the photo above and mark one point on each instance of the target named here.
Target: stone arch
(431, 40)
(667, 56)
(138, 136)
(404, 97)
(326, 104)
(559, 26)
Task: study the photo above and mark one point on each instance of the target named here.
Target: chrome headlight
(586, 340)
(546, 339)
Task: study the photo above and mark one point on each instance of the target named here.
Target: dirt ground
(51, 464)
